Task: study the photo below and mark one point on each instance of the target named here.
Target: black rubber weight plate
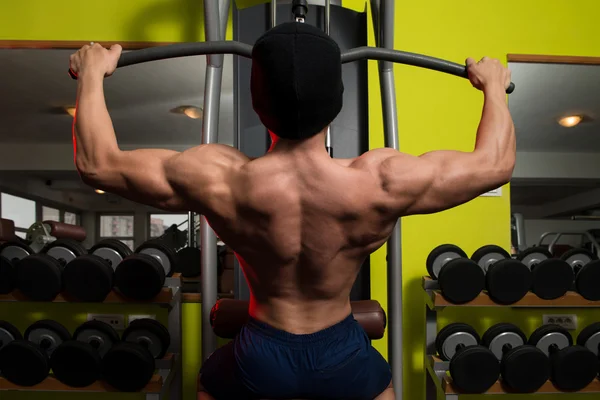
(534, 255)
(437, 252)
(7, 276)
(100, 326)
(495, 330)
(128, 367)
(544, 330)
(461, 280)
(73, 245)
(114, 244)
(525, 369)
(76, 364)
(551, 279)
(18, 244)
(10, 333)
(152, 326)
(140, 277)
(450, 330)
(474, 369)
(56, 327)
(586, 281)
(88, 278)
(24, 363)
(39, 277)
(162, 247)
(585, 253)
(574, 368)
(188, 262)
(490, 248)
(584, 335)
(508, 281)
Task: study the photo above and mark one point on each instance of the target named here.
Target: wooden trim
(73, 44)
(499, 388)
(538, 58)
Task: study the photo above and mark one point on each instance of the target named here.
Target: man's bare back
(300, 222)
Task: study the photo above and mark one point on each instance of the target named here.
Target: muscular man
(300, 222)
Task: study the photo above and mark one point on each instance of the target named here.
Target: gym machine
(215, 22)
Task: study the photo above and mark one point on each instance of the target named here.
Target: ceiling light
(189, 111)
(70, 111)
(570, 121)
(99, 191)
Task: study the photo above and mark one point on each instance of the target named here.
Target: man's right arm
(440, 180)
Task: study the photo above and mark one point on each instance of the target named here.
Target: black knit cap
(296, 85)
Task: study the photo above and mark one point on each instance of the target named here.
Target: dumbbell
(589, 337)
(474, 368)
(586, 267)
(142, 275)
(129, 365)
(189, 260)
(39, 276)
(10, 255)
(551, 277)
(573, 367)
(8, 333)
(524, 368)
(78, 362)
(506, 280)
(90, 278)
(27, 362)
(460, 279)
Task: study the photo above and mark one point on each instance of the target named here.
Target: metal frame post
(215, 28)
(385, 12)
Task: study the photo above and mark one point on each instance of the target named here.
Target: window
(160, 222)
(50, 214)
(117, 227)
(70, 218)
(20, 210)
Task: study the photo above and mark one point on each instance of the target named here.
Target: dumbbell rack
(168, 378)
(438, 383)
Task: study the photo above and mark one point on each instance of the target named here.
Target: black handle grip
(181, 50)
(414, 59)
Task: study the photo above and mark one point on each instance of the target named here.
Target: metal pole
(328, 138)
(327, 15)
(190, 239)
(210, 127)
(394, 249)
(273, 13)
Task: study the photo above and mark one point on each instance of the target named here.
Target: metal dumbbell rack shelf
(438, 382)
(167, 379)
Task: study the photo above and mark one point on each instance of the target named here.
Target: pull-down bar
(245, 50)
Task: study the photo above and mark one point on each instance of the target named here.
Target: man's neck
(314, 144)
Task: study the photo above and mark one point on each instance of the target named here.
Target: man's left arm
(196, 179)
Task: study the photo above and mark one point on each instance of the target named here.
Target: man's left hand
(95, 60)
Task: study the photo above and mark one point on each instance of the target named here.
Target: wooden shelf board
(51, 384)
(498, 388)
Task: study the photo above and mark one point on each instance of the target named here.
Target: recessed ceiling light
(570, 121)
(189, 111)
(70, 110)
(99, 191)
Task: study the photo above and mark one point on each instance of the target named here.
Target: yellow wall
(437, 111)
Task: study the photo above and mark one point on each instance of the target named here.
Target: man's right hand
(488, 73)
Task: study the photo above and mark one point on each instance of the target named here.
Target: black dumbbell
(141, 276)
(189, 260)
(524, 368)
(551, 277)
(506, 280)
(474, 368)
(586, 267)
(573, 367)
(10, 255)
(460, 279)
(90, 278)
(39, 276)
(27, 362)
(8, 333)
(589, 337)
(129, 365)
(78, 362)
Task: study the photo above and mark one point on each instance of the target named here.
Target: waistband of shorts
(284, 337)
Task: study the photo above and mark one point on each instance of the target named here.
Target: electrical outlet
(133, 317)
(567, 321)
(117, 321)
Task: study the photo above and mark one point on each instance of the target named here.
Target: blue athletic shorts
(266, 363)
